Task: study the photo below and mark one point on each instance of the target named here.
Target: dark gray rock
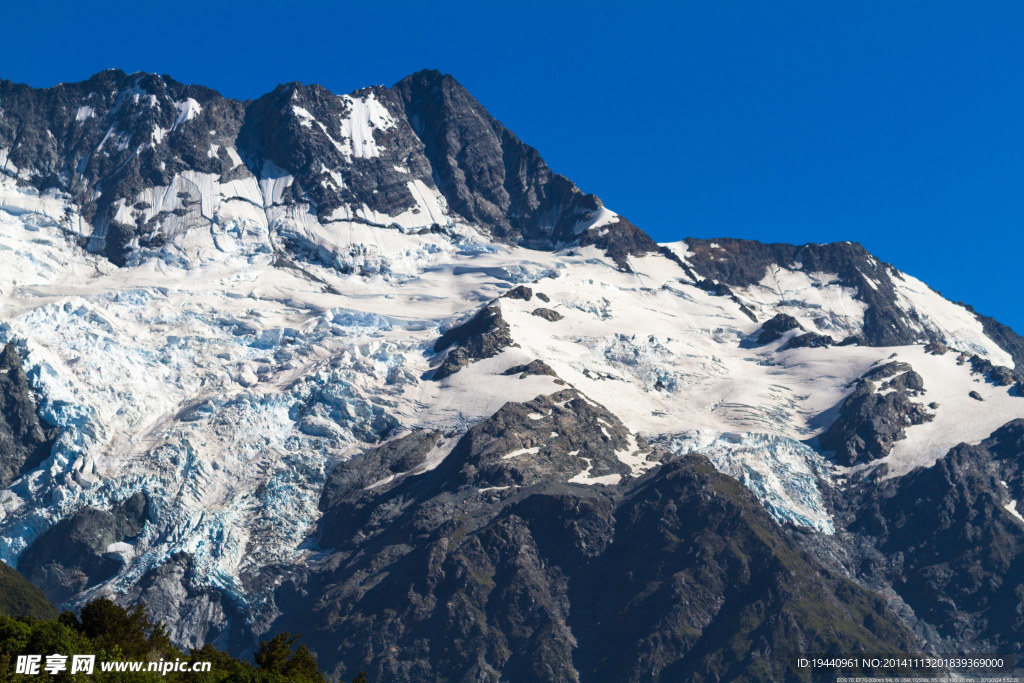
(110, 137)
(484, 335)
(998, 375)
(547, 314)
(521, 292)
(720, 289)
(619, 240)
(397, 456)
(1006, 338)
(113, 153)
(578, 426)
(887, 370)
(534, 367)
(25, 441)
(908, 381)
(943, 540)
(487, 175)
(869, 423)
(72, 556)
(743, 263)
(777, 326)
(208, 614)
(809, 340)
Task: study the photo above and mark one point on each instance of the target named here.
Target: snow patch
(187, 110)
(1011, 507)
(585, 478)
(366, 115)
(522, 451)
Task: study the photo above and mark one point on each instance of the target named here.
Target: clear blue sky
(896, 124)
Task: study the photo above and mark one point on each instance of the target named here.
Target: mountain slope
(532, 578)
(367, 357)
(19, 598)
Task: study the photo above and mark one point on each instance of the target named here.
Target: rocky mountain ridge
(367, 358)
(371, 156)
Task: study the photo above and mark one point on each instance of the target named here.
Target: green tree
(273, 654)
(276, 656)
(302, 666)
(109, 625)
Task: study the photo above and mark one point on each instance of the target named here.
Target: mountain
(19, 598)
(363, 367)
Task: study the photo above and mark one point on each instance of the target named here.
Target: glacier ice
(784, 474)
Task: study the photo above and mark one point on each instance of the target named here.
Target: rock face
(870, 422)
(534, 367)
(1009, 340)
(773, 329)
(956, 554)
(547, 314)
(374, 153)
(487, 175)
(484, 335)
(531, 575)
(742, 262)
(810, 340)
(82, 551)
(24, 440)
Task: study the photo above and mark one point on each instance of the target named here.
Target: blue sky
(896, 124)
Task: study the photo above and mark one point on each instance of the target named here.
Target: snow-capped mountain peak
(241, 320)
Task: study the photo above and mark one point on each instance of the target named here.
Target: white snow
(958, 418)
(84, 113)
(1011, 507)
(584, 477)
(599, 219)
(6, 165)
(957, 326)
(365, 116)
(187, 110)
(273, 182)
(431, 207)
(521, 451)
(816, 300)
(658, 352)
(635, 457)
(303, 114)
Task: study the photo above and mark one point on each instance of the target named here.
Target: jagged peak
(431, 78)
(112, 137)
